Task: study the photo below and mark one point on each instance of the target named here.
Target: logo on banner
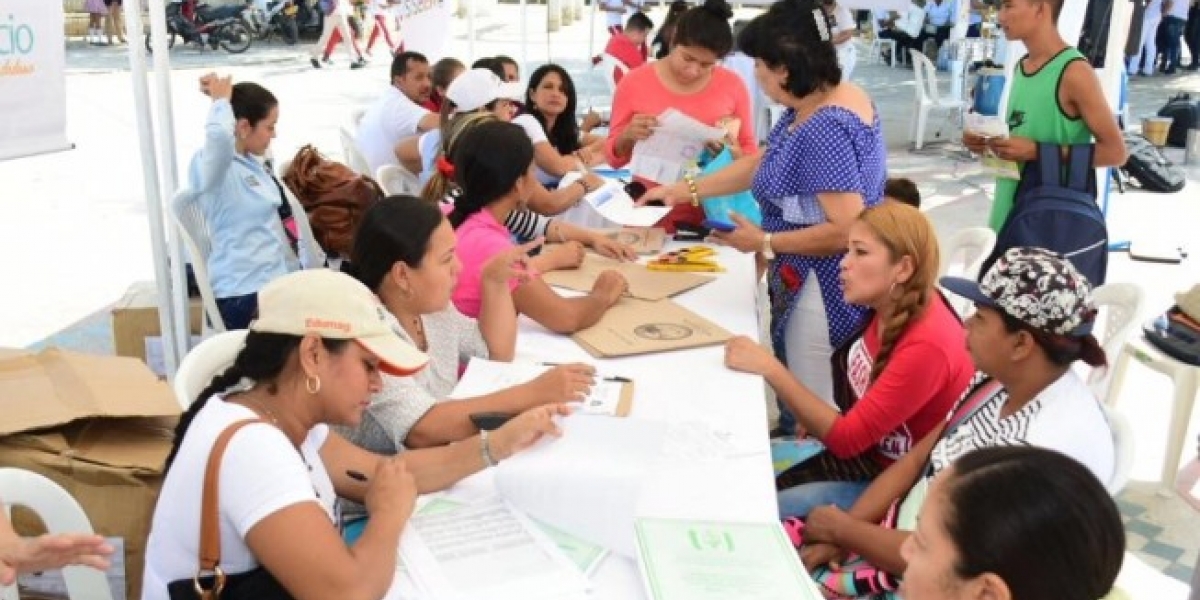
(17, 43)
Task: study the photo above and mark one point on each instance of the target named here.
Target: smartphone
(721, 226)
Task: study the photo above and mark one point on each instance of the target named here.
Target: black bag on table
(1186, 113)
(1147, 164)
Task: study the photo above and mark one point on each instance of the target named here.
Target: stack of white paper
(675, 145)
(611, 202)
(589, 481)
(484, 377)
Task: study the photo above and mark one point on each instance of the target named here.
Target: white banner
(425, 26)
(33, 103)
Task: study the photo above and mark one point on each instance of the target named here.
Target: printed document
(711, 560)
(485, 377)
(611, 202)
(675, 146)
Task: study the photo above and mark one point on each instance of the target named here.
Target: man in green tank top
(1055, 97)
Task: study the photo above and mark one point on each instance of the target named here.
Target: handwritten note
(485, 377)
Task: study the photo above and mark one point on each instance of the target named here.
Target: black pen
(618, 378)
(355, 475)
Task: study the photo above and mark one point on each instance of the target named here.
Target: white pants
(847, 57)
(1147, 48)
(806, 341)
(336, 20)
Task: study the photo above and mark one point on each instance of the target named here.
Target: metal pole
(524, 35)
(150, 180)
(592, 30)
(470, 30)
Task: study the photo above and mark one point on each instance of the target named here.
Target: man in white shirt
(939, 19)
(398, 113)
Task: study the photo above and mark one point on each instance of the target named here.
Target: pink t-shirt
(480, 237)
(642, 92)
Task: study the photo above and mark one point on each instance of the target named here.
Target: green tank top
(1030, 116)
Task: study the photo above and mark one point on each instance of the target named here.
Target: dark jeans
(903, 43)
(974, 31)
(238, 311)
(1191, 35)
(1172, 47)
(939, 37)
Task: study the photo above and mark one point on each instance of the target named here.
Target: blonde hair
(439, 185)
(905, 231)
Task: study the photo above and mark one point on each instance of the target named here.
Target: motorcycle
(205, 26)
(270, 17)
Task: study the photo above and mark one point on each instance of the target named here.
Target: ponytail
(261, 360)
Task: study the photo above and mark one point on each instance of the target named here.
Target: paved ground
(75, 233)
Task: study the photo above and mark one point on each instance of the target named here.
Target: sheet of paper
(611, 202)
(992, 127)
(643, 283)
(486, 550)
(675, 146)
(485, 376)
(583, 554)
(587, 482)
(707, 560)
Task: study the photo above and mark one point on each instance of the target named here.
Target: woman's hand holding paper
(563, 383)
(669, 195)
(526, 428)
(640, 127)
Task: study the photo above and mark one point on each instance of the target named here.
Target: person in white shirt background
(1147, 48)
(939, 18)
(337, 17)
(842, 26)
(397, 114)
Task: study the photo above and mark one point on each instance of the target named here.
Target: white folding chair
(878, 44)
(61, 514)
(962, 256)
(354, 157)
(927, 98)
(1124, 446)
(193, 231)
(395, 179)
(606, 65)
(1119, 305)
(205, 361)
(356, 116)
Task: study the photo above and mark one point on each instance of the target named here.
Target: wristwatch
(767, 251)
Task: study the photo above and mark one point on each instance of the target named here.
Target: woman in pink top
(894, 379)
(690, 81)
(493, 167)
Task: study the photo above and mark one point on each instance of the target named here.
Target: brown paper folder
(640, 327)
(644, 284)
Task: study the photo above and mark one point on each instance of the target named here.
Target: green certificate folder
(713, 560)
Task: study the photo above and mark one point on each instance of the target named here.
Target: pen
(619, 379)
(355, 475)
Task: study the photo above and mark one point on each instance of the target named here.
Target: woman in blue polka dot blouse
(824, 162)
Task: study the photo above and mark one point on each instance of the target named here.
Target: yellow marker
(690, 266)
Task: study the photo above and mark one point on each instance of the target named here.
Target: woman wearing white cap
(1033, 320)
(480, 90)
(312, 358)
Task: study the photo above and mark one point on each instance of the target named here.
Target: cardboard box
(100, 427)
(136, 331)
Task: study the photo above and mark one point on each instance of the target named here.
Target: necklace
(263, 407)
(418, 333)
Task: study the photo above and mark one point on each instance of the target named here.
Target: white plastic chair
(354, 157)
(356, 116)
(395, 179)
(1124, 446)
(606, 65)
(927, 98)
(962, 256)
(1119, 305)
(60, 513)
(1186, 379)
(875, 53)
(193, 231)
(204, 362)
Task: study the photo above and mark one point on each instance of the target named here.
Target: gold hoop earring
(312, 384)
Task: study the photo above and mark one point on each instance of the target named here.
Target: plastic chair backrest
(193, 231)
(61, 513)
(973, 244)
(356, 116)
(1123, 445)
(205, 361)
(606, 65)
(1120, 304)
(395, 179)
(926, 74)
(354, 157)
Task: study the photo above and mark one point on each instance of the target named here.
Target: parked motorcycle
(206, 26)
(268, 18)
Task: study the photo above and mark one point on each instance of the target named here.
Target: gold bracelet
(691, 184)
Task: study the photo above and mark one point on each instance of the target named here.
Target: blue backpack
(1060, 217)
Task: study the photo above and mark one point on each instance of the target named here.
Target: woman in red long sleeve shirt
(894, 381)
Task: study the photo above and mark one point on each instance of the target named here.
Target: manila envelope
(644, 240)
(644, 284)
(640, 327)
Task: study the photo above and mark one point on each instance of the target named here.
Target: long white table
(691, 385)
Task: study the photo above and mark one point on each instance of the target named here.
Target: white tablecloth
(691, 385)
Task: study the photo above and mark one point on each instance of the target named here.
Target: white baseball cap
(478, 87)
(335, 306)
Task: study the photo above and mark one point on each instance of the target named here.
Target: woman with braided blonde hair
(894, 379)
